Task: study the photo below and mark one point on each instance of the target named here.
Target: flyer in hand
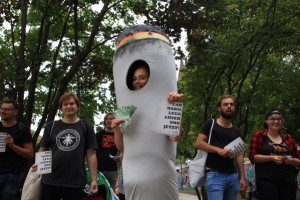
(44, 162)
(125, 112)
(2, 141)
(236, 147)
(168, 118)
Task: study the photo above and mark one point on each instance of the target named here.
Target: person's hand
(243, 184)
(289, 160)
(115, 123)
(9, 140)
(278, 160)
(175, 97)
(34, 168)
(175, 138)
(94, 187)
(224, 153)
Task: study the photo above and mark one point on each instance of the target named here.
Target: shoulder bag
(32, 186)
(197, 167)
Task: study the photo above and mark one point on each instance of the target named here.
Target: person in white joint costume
(144, 75)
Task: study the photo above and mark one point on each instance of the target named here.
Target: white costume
(149, 158)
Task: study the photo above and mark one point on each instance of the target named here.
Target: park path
(183, 196)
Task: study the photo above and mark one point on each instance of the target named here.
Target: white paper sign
(168, 118)
(236, 147)
(44, 162)
(2, 141)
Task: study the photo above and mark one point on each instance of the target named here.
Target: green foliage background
(246, 48)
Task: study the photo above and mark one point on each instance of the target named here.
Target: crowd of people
(273, 153)
(71, 140)
(146, 161)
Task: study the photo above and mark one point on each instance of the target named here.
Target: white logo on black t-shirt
(67, 140)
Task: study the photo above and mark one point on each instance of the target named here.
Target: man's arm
(202, 144)
(91, 159)
(241, 170)
(26, 151)
(118, 135)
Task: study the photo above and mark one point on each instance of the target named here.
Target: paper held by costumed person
(144, 74)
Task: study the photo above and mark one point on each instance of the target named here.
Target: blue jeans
(222, 186)
(9, 185)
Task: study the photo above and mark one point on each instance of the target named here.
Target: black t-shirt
(271, 170)
(106, 147)
(9, 160)
(220, 138)
(68, 143)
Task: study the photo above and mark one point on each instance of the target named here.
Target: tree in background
(247, 49)
(50, 47)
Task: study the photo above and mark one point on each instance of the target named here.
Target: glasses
(6, 109)
(275, 119)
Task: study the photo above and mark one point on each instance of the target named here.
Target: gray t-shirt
(68, 143)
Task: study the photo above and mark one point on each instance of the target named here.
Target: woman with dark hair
(276, 157)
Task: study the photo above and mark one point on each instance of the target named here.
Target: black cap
(272, 112)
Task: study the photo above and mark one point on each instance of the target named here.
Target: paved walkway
(183, 196)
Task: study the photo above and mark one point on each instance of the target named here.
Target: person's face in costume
(227, 108)
(69, 107)
(140, 78)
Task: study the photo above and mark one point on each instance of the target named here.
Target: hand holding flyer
(125, 113)
(2, 141)
(44, 162)
(236, 147)
(168, 118)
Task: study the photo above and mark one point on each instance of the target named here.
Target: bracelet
(242, 178)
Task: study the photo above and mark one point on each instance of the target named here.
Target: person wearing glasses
(15, 150)
(275, 156)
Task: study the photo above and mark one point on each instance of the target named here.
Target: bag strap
(210, 131)
(51, 128)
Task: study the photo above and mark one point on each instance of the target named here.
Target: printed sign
(168, 118)
(44, 162)
(236, 147)
(2, 141)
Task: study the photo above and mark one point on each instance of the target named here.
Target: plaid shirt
(258, 140)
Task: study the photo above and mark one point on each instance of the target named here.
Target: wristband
(242, 178)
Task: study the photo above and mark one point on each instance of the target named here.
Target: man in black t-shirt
(223, 181)
(15, 150)
(72, 141)
(107, 151)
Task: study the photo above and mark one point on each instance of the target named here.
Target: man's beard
(227, 116)
(5, 119)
